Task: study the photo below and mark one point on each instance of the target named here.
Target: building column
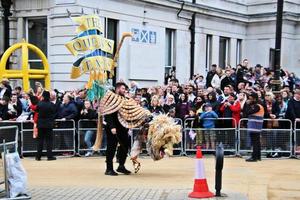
(215, 49)
(232, 53)
(200, 53)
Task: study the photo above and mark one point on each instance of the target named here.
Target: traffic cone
(200, 184)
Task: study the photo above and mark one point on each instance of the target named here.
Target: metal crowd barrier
(297, 138)
(276, 138)
(87, 130)
(209, 138)
(9, 136)
(63, 137)
(7, 123)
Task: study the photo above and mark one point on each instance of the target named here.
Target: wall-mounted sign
(143, 36)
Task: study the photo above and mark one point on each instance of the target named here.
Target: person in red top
(33, 106)
(231, 108)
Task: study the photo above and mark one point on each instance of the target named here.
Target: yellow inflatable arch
(25, 73)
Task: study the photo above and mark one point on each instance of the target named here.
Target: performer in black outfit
(46, 114)
(116, 133)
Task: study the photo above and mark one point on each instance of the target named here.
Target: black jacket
(227, 81)
(46, 114)
(293, 109)
(209, 77)
(68, 111)
(112, 121)
(91, 114)
(3, 112)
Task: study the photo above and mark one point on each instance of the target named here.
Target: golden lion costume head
(163, 133)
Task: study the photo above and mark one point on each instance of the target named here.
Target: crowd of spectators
(221, 93)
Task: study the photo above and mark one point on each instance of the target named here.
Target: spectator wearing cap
(45, 124)
(255, 113)
(207, 119)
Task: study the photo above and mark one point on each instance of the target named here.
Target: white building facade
(226, 32)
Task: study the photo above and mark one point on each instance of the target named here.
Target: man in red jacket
(231, 108)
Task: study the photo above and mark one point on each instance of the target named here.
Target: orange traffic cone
(200, 185)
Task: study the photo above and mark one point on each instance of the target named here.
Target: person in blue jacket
(208, 120)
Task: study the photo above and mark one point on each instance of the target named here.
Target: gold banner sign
(90, 42)
(88, 22)
(98, 63)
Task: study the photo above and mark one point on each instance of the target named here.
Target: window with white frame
(111, 32)
(208, 52)
(170, 50)
(238, 51)
(36, 34)
(224, 49)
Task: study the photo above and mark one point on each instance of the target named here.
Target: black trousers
(255, 141)
(44, 134)
(112, 142)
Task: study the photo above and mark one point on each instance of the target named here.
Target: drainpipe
(192, 28)
(6, 13)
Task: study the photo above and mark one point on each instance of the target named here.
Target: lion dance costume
(160, 134)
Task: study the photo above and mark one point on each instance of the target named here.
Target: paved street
(83, 178)
(80, 193)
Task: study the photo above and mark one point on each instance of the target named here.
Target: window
(170, 51)
(224, 52)
(111, 32)
(1, 37)
(208, 52)
(36, 34)
(238, 51)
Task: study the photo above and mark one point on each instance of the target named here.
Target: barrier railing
(87, 130)
(7, 123)
(9, 134)
(63, 137)
(209, 138)
(297, 138)
(276, 136)
(8, 144)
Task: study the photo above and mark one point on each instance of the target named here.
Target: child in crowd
(209, 123)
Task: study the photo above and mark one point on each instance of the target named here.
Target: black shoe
(251, 160)
(51, 158)
(111, 173)
(123, 170)
(37, 159)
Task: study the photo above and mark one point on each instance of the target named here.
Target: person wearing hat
(207, 119)
(255, 114)
(45, 123)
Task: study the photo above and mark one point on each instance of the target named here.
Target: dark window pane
(37, 35)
